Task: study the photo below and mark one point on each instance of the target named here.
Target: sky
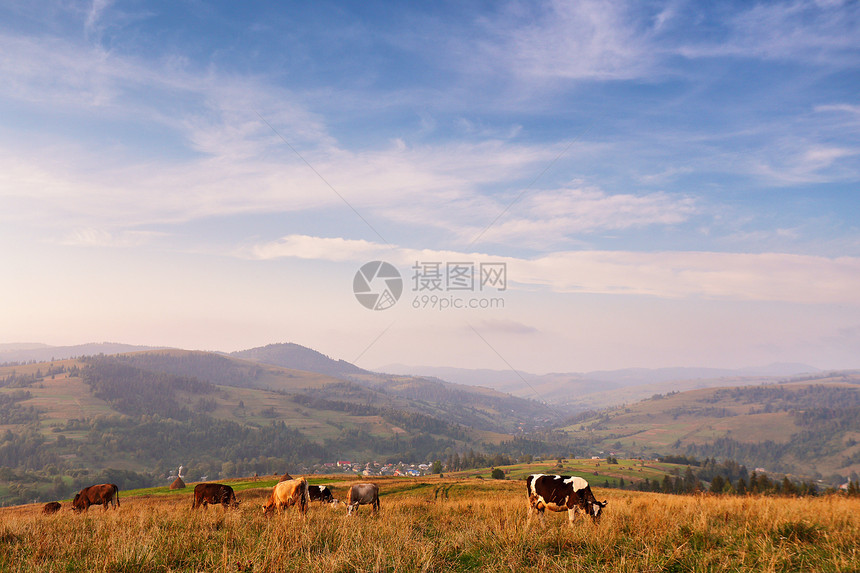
(560, 186)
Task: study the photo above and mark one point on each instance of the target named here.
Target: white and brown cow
(362, 494)
(562, 493)
(287, 493)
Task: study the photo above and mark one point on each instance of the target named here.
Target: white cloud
(572, 40)
(89, 237)
(823, 33)
(318, 248)
(729, 276)
(794, 160)
(682, 274)
(545, 218)
(92, 24)
(840, 107)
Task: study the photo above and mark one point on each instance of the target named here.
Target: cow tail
(116, 494)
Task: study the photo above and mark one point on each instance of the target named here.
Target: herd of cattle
(552, 492)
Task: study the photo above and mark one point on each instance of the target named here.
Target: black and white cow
(321, 493)
(561, 493)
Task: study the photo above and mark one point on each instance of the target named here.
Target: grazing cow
(362, 494)
(51, 507)
(321, 493)
(562, 493)
(288, 493)
(214, 493)
(102, 494)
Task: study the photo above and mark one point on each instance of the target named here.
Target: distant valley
(605, 388)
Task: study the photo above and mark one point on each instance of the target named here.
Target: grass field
(480, 525)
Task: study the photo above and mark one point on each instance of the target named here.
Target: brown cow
(102, 494)
(286, 477)
(362, 494)
(214, 493)
(288, 493)
(51, 507)
(561, 493)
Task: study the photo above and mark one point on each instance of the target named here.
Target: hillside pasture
(764, 414)
(480, 525)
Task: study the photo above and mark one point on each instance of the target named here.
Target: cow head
(268, 507)
(78, 503)
(596, 508)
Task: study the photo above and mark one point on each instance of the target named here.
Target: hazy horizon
(418, 369)
(609, 185)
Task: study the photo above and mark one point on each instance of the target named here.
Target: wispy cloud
(90, 237)
(317, 248)
(97, 8)
(725, 276)
(678, 274)
(572, 40)
(840, 107)
(552, 216)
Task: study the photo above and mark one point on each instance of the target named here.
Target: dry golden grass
(481, 527)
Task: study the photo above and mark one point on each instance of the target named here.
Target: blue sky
(669, 183)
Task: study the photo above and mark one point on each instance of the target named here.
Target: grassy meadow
(433, 524)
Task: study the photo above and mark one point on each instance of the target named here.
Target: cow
(102, 494)
(362, 494)
(51, 507)
(561, 493)
(214, 493)
(286, 477)
(321, 493)
(288, 493)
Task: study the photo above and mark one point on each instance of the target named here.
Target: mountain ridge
(298, 357)
(38, 352)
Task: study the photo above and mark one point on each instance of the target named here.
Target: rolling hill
(131, 417)
(297, 357)
(144, 413)
(806, 425)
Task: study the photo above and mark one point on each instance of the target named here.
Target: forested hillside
(808, 426)
(140, 415)
(132, 418)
